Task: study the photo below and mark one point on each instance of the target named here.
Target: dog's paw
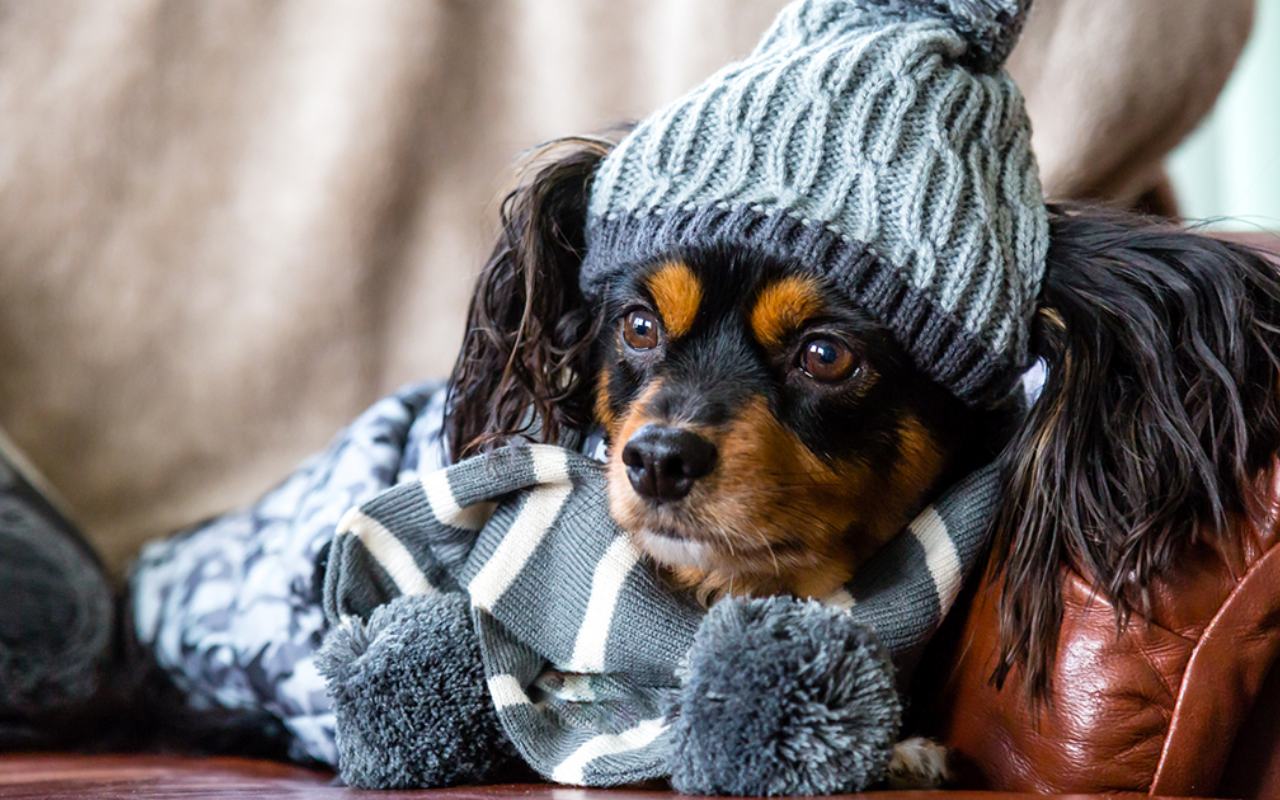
(918, 763)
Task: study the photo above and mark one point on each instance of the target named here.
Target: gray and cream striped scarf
(581, 640)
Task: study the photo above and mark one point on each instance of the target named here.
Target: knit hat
(876, 142)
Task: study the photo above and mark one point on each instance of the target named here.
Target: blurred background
(226, 227)
(1228, 169)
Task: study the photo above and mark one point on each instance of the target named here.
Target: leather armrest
(1155, 707)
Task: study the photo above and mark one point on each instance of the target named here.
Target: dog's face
(765, 435)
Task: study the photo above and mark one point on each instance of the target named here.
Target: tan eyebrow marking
(784, 306)
(678, 294)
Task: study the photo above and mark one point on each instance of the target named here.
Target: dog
(766, 436)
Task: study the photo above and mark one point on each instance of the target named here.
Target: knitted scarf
(581, 639)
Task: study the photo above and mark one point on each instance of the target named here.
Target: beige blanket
(226, 227)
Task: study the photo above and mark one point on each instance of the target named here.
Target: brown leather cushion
(1156, 707)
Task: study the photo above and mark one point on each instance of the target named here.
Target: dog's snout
(664, 462)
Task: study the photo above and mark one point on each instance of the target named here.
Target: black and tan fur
(1161, 409)
(811, 477)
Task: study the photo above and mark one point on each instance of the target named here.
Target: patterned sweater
(581, 640)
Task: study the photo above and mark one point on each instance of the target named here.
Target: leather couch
(1185, 703)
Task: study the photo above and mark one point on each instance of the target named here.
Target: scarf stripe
(573, 769)
(940, 556)
(389, 552)
(524, 536)
(606, 584)
(440, 499)
(507, 691)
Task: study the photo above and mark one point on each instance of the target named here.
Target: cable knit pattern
(867, 136)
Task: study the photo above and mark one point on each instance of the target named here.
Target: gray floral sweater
(227, 613)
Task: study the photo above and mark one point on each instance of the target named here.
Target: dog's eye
(640, 330)
(827, 360)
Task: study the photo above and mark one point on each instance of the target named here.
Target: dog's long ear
(1159, 415)
(524, 355)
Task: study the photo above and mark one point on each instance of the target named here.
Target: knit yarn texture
(582, 642)
(879, 148)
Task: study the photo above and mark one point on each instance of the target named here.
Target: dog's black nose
(663, 463)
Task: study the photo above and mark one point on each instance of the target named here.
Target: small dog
(766, 436)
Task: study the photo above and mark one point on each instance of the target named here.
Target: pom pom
(783, 696)
(410, 697)
(991, 27)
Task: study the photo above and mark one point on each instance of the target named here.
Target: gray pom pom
(409, 693)
(784, 697)
(991, 27)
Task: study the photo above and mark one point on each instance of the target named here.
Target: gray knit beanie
(876, 142)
